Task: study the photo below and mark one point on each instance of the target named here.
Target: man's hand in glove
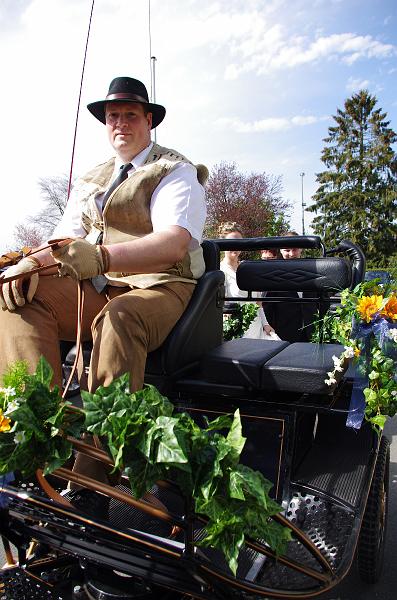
(13, 294)
(79, 259)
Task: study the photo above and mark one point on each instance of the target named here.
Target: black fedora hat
(126, 89)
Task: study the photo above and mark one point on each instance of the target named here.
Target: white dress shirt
(179, 199)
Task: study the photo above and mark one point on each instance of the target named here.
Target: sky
(254, 82)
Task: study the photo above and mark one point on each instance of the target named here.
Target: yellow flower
(389, 311)
(368, 306)
(357, 352)
(4, 422)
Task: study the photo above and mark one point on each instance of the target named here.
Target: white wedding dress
(256, 328)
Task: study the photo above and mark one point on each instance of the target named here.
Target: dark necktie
(100, 282)
(123, 174)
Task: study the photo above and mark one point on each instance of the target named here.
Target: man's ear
(149, 118)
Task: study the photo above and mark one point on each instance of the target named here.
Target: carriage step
(17, 584)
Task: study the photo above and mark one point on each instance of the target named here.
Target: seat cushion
(302, 367)
(239, 362)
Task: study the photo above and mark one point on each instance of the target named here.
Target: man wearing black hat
(136, 223)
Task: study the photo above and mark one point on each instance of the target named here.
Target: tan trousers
(123, 329)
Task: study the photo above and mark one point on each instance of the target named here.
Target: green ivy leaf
(378, 421)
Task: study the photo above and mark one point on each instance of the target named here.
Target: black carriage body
(296, 437)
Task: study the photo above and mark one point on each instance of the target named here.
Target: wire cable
(79, 101)
(150, 54)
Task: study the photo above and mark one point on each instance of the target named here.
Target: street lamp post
(303, 204)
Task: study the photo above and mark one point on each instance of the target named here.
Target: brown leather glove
(12, 294)
(79, 259)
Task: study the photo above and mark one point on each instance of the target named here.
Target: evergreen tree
(357, 194)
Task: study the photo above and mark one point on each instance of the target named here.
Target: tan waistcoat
(126, 216)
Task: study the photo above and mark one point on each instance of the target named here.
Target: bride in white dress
(259, 328)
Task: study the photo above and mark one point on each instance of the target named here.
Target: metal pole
(303, 204)
(153, 86)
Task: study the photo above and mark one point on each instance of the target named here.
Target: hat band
(126, 97)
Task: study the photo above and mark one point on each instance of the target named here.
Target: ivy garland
(149, 441)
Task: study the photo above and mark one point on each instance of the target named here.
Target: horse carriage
(330, 481)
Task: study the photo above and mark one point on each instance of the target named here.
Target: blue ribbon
(4, 479)
(357, 403)
(379, 327)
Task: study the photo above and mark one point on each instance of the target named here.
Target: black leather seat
(302, 367)
(199, 330)
(279, 366)
(272, 366)
(239, 362)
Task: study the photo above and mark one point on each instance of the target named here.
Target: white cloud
(270, 124)
(354, 85)
(286, 52)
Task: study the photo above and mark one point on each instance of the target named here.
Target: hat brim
(98, 110)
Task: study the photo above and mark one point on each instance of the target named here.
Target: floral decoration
(366, 324)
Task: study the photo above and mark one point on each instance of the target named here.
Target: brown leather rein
(13, 258)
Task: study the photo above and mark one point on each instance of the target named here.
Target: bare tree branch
(54, 192)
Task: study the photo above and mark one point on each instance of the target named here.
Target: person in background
(269, 253)
(292, 320)
(259, 327)
(288, 253)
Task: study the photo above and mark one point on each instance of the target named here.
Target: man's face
(291, 252)
(268, 253)
(128, 128)
(233, 235)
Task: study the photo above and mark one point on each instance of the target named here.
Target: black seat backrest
(197, 331)
(319, 275)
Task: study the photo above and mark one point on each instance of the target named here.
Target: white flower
(331, 379)
(19, 437)
(392, 334)
(394, 393)
(337, 363)
(8, 391)
(349, 352)
(13, 405)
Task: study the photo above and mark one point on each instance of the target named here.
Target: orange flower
(368, 306)
(4, 422)
(389, 311)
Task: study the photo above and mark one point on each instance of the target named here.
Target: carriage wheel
(371, 542)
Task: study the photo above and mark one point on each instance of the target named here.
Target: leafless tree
(38, 227)
(54, 192)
